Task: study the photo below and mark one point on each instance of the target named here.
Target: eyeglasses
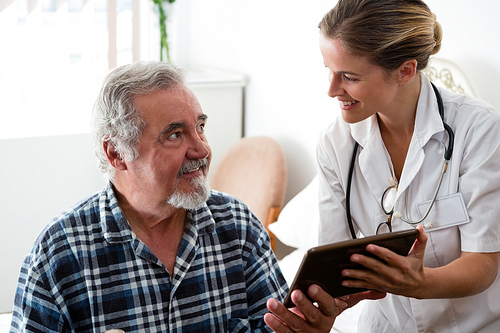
(388, 202)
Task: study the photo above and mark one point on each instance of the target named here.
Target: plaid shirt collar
(116, 228)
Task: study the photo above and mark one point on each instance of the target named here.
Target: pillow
(298, 222)
(5, 319)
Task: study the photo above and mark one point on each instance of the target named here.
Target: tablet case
(322, 265)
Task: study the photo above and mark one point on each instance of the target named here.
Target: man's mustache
(193, 165)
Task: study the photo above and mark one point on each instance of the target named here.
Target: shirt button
(430, 330)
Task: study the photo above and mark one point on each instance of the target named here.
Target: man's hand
(309, 317)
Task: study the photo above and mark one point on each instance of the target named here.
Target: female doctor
(375, 52)
(406, 155)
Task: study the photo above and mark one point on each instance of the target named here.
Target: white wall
(39, 178)
(274, 42)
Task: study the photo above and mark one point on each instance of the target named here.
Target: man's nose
(199, 149)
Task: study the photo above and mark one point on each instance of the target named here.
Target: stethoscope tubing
(447, 157)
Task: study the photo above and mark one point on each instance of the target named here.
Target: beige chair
(254, 171)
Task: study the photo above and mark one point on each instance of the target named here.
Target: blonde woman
(398, 133)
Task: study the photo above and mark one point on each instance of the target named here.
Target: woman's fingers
(389, 271)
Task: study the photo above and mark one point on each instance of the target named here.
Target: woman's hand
(467, 275)
(309, 317)
(398, 275)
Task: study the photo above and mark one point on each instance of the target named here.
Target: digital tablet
(322, 265)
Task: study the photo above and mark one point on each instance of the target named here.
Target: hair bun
(438, 35)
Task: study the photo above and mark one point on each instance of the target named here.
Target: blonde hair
(388, 32)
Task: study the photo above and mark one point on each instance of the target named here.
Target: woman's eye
(349, 79)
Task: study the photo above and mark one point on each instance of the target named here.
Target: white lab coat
(466, 216)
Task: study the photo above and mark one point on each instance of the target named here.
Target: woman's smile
(347, 104)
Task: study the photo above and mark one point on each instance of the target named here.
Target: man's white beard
(189, 201)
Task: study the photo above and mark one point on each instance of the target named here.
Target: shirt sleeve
(35, 309)
(479, 178)
(263, 278)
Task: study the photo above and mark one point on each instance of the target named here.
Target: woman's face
(362, 88)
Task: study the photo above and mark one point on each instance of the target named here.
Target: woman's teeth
(346, 103)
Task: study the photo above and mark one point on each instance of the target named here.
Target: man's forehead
(167, 110)
(167, 93)
(167, 99)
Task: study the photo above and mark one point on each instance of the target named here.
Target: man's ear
(113, 156)
(407, 71)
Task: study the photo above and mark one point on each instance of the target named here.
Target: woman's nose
(335, 88)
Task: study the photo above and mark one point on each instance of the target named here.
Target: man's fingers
(326, 304)
(293, 322)
(306, 316)
(275, 324)
(319, 317)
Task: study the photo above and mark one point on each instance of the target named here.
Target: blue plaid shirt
(88, 272)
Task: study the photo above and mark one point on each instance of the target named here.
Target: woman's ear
(407, 71)
(113, 156)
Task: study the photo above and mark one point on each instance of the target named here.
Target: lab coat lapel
(413, 163)
(373, 158)
(427, 123)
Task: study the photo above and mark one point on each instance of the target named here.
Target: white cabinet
(221, 97)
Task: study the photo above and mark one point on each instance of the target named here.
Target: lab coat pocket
(448, 211)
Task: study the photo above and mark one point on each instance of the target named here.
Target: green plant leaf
(162, 20)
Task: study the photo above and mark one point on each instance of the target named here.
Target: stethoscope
(447, 156)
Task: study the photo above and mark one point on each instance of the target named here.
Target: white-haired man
(156, 250)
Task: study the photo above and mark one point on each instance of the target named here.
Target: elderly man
(156, 250)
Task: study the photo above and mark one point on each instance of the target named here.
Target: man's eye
(175, 135)
(201, 127)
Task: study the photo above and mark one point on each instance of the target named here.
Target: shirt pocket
(447, 211)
